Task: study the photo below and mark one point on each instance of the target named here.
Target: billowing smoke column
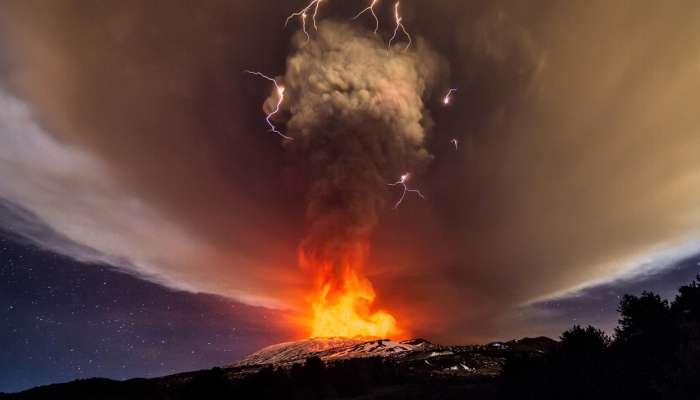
(358, 121)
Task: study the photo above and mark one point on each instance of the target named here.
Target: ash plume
(356, 112)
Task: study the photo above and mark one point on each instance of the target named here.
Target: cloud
(578, 126)
(63, 199)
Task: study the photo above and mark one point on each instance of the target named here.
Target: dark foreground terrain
(654, 354)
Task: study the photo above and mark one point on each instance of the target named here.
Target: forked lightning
(402, 182)
(448, 97)
(303, 14)
(370, 8)
(280, 99)
(399, 25)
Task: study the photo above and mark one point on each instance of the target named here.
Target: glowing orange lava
(342, 303)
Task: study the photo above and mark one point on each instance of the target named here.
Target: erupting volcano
(356, 126)
(342, 304)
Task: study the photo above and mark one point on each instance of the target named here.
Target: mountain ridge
(407, 362)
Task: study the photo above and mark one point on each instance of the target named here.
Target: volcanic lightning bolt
(399, 25)
(280, 98)
(402, 182)
(448, 97)
(370, 8)
(303, 14)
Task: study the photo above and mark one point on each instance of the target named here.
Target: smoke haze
(128, 128)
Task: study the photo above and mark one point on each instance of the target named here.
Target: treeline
(361, 378)
(654, 353)
(311, 380)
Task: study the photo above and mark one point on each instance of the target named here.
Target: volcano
(419, 355)
(326, 368)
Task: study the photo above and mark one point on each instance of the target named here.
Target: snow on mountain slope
(417, 355)
(331, 349)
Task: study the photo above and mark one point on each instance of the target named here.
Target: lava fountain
(343, 299)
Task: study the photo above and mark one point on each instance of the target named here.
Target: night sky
(64, 320)
(151, 223)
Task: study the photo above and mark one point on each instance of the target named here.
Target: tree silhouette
(643, 319)
(584, 340)
(684, 377)
(655, 354)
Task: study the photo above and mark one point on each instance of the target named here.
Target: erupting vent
(342, 303)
